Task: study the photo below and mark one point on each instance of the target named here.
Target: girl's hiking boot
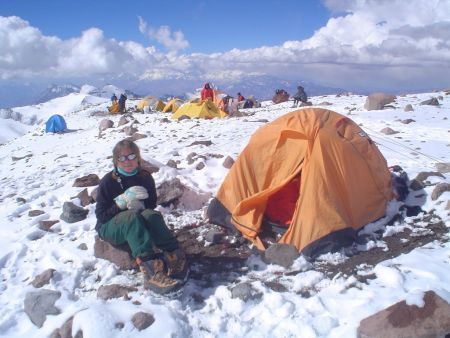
(156, 279)
(177, 265)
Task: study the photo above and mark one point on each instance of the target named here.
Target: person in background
(122, 100)
(125, 213)
(240, 98)
(300, 96)
(113, 98)
(207, 93)
(224, 103)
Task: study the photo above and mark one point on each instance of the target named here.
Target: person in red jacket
(240, 98)
(207, 93)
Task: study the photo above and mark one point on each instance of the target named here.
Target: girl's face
(127, 160)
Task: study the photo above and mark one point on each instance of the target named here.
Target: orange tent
(344, 181)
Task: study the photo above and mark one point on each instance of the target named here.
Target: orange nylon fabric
(345, 181)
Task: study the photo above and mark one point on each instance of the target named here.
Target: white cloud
(373, 45)
(172, 41)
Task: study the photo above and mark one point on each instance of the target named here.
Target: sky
(357, 45)
(37, 171)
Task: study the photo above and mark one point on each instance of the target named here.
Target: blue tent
(55, 124)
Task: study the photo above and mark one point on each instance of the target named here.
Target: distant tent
(55, 124)
(204, 109)
(158, 105)
(172, 106)
(145, 102)
(323, 167)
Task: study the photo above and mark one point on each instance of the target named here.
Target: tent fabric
(344, 180)
(55, 124)
(172, 106)
(145, 102)
(203, 109)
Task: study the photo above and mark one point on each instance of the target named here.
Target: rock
(402, 320)
(169, 191)
(47, 224)
(172, 164)
(87, 181)
(431, 102)
(21, 200)
(39, 304)
(200, 166)
(43, 278)
(245, 292)
(388, 131)
(439, 190)
(325, 103)
(129, 130)
(205, 143)
(142, 320)
(191, 157)
(416, 185)
(443, 167)
(65, 331)
(84, 197)
(122, 121)
(34, 213)
(94, 195)
(151, 168)
(228, 162)
(214, 236)
(105, 124)
(377, 101)
(119, 255)
(408, 107)
(423, 175)
(137, 136)
(112, 291)
(73, 213)
(447, 207)
(407, 121)
(184, 117)
(82, 246)
(281, 254)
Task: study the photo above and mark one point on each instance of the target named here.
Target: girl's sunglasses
(129, 157)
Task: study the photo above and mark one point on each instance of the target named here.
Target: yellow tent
(145, 102)
(172, 106)
(158, 105)
(204, 109)
(342, 181)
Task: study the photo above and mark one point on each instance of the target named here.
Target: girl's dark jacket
(112, 185)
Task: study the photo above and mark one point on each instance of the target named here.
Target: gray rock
(388, 131)
(443, 167)
(34, 213)
(142, 320)
(423, 175)
(84, 197)
(245, 292)
(416, 185)
(82, 246)
(151, 168)
(87, 181)
(172, 164)
(228, 162)
(281, 254)
(123, 120)
(43, 278)
(407, 121)
(402, 320)
(119, 255)
(65, 331)
(431, 102)
(105, 124)
(408, 107)
(111, 291)
(214, 236)
(377, 101)
(46, 224)
(200, 166)
(439, 190)
(73, 213)
(129, 130)
(169, 191)
(39, 304)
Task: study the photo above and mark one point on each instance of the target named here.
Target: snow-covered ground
(37, 171)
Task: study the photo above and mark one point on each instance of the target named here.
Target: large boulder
(119, 255)
(402, 320)
(377, 101)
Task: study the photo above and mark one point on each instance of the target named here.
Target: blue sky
(358, 45)
(209, 26)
